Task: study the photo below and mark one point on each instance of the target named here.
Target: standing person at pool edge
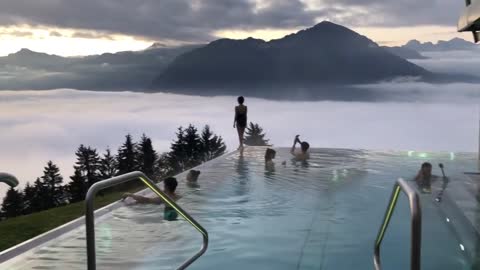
(240, 120)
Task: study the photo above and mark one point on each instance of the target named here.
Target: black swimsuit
(241, 118)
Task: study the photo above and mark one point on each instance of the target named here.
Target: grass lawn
(19, 229)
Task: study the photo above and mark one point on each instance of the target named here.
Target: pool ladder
(90, 215)
(415, 224)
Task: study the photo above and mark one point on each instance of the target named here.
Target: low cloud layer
(43, 125)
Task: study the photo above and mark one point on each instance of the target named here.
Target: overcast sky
(72, 27)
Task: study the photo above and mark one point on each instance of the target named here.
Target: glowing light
(452, 156)
(335, 176)
(410, 153)
(423, 155)
(448, 220)
(462, 247)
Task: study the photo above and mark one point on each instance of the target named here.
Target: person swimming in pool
(170, 185)
(269, 156)
(303, 153)
(192, 178)
(240, 120)
(425, 177)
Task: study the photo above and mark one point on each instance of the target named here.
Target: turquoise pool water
(322, 214)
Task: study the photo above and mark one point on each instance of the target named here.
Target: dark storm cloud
(396, 12)
(186, 20)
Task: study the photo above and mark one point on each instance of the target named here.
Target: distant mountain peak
(441, 45)
(157, 45)
(25, 51)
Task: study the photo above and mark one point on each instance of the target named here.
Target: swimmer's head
(270, 154)
(426, 169)
(170, 184)
(305, 146)
(192, 175)
(241, 100)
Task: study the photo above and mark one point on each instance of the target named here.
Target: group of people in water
(424, 177)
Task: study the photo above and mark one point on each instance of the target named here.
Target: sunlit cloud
(66, 42)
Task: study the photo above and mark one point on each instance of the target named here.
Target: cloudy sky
(72, 27)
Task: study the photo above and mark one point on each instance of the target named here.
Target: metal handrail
(416, 224)
(90, 217)
(8, 179)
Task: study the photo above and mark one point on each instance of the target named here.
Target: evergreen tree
(177, 155)
(52, 181)
(12, 205)
(255, 136)
(127, 157)
(39, 201)
(193, 147)
(88, 163)
(77, 188)
(212, 145)
(108, 165)
(147, 156)
(28, 198)
(186, 151)
(163, 168)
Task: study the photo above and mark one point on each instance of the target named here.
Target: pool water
(320, 214)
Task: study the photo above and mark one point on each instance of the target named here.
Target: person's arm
(235, 118)
(292, 151)
(142, 199)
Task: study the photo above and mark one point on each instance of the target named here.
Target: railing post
(415, 225)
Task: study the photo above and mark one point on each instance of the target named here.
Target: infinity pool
(320, 214)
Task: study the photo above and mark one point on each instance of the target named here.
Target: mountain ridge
(325, 53)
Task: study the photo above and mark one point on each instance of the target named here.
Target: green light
(104, 237)
(335, 176)
(452, 156)
(423, 155)
(410, 153)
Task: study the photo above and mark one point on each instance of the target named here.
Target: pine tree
(212, 145)
(147, 156)
(108, 165)
(127, 157)
(77, 188)
(39, 200)
(177, 155)
(186, 151)
(88, 163)
(193, 147)
(163, 168)
(255, 136)
(12, 205)
(28, 198)
(52, 181)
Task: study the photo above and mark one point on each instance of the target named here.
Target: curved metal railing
(8, 179)
(416, 224)
(90, 217)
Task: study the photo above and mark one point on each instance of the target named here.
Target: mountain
(456, 44)
(130, 70)
(405, 52)
(324, 54)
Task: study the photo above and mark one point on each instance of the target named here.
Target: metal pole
(8, 179)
